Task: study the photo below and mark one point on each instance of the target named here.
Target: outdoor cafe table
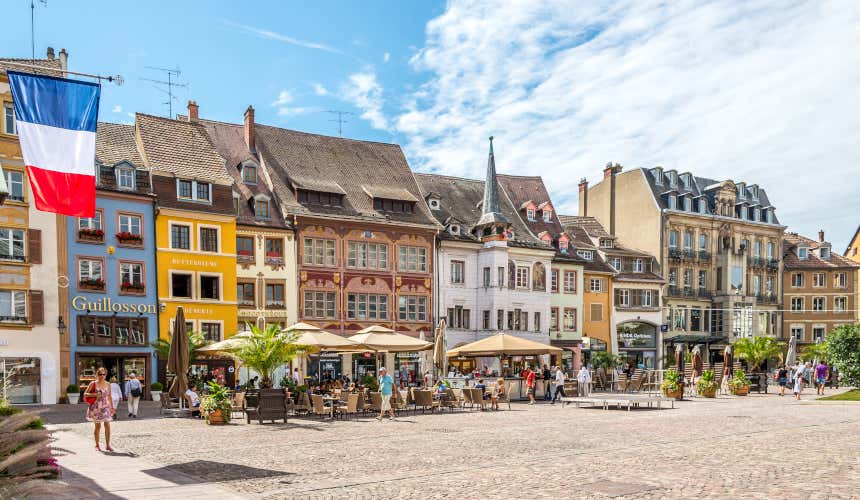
(331, 400)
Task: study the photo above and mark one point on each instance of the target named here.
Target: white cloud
(117, 109)
(386, 57)
(280, 37)
(283, 98)
(365, 93)
(750, 91)
(320, 90)
(288, 111)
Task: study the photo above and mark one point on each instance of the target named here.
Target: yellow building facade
(597, 301)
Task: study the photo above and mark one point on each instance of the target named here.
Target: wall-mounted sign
(80, 303)
(635, 335)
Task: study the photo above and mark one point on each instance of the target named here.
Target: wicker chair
(350, 408)
(478, 398)
(238, 405)
(167, 403)
(318, 406)
(271, 405)
(376, 402)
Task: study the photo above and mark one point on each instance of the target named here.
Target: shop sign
(636, 335)
(328, 355)
(80, 303)
(407, 355)
(367, 355)
(266, 313)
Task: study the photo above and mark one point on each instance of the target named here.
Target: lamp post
(61, 326)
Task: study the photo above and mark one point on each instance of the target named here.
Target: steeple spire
(491, 215)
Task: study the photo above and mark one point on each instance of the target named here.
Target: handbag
(87, 398)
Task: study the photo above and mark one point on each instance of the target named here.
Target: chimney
(583, 197)
(249, 129)
(607, 171)
(821, 235)
(50, 53)
(193, 111)
(64, 60)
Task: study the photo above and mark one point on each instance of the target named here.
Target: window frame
(22, 300)
(195, 194)
(199, 279)
(192, 280)
(819, 304)
(200, 228)
(326, 295)
(9, 115)
(271, 304)
(118, 175)
(599, 282)
(569, 313)
(837, 308)
(10, 183)
(403, 312)
(218, 323)
(245, 167)
(173, 224)
(120, 263)
(458, 272)
(571, 277)
(11, 257)
(319, 246)
(355, 299)
(241, 292)
(819, 279)
(404, 259)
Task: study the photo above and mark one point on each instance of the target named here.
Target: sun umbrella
(502, 344)
(381, 339)
(226, 345)
(177, 359)
(316, 339)
(791, 356)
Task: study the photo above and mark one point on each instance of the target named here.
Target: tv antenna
(340, 120)
(172, 81)
(33, 26)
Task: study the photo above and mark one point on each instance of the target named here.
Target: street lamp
(61, 326)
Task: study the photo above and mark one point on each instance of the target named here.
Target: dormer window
(673, 178)
(768, 214)
(688, 204)
(236, 203)
(606, 243)
(585, 254)
(249, 173)
(657, 172)
(393, 206)
(742, 191)
(454, 229)
(187, 190)
(754, 192)
(672, 202)
(824, 253)
(757, 215)
(802, 253)
(320, 198)
(703, 205)
(261, 207)
(434, 204)
(685, 178)
(530, 214)
(547, 216)
(125, 178)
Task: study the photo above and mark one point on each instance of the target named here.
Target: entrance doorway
(118, 366)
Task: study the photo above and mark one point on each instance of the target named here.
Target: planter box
(673, 394)
(216, 418)
(741, 391)
(708, 393)
(73, 397)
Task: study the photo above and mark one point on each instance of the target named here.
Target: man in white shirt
(195, 399)
(583, 379)
(559, 384)
(297, 378)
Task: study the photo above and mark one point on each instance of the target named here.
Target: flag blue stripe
(56, 102)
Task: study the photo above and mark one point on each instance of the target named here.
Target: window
(637, 265)
(93, 223)
(673, 239)
(824, 252)
(817, 333)
(596, 312)
(688, 204)
(840, 280)
(367, 255)
(362, 306)
(180, 236)
(537, 322)
(553, 281)
(129, 224)
(319, 305)
(797, 280)
(553, 319)
(236, 203)
(208, 239)
(131, 275)
(458, 317)
(819, 280)
(13, 306)
(673, 202)
(703, 280)
(585, 254)
(274, 248)
(547, 216)
(393, 206)
(688, 240)
(757, 247)
(9, 125)
(570, 281)
(485, 320)
(616, 263)
(320, 198)
(275, 296)
(15, 184)
(412, 308)
(518, 320)
(245, 248)
(261, 209)
(522, 277)
(530, 213)
(412, 259)
(756, 285)
(249, 174)
(797, 304)
(319, 252)
(819, 304)
(12, 244)
(802, 253)
(605, 243)
(211, 331)
(840, 304)
(434, 204)
(757, 214)
(673, 276)
(500, 275)
(457, 272)
(768, 285)
(210, 287)
(688, 278)
(486, 278)
(125, 178)
(245, 294)
(770, 250)
(703, 206)
(647, 298)
(797, 331)
(596, 285)
(500, 319)
(622, 298)
(90, 269)
(193, 190)
(181, 285)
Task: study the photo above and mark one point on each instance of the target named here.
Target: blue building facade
(112, 288)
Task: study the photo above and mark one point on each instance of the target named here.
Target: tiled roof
(461, 200)
(337, 165)
(115, 142)
(580, 241)
(792, 261)
(229, 141)
(523, 189)
(389, 193)
(52, 67)
(180, 148)
(584, 230)
(591, 225)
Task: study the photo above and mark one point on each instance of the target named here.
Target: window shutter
(34, 245)
(37, 308)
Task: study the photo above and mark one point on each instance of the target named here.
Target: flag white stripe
(58, 149)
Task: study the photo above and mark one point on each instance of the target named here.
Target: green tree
(814, 351)
(843, 351)
(265, 350)
(757, 350)
(605, 360)
(196, 340)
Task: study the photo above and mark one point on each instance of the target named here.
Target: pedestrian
(559, 384)
(529, 375)
(798, 381)
(386, 384)
(428, 379)
(133, 391)
(115, 394)
(100, 410)
(834, 377)
(546, 375)
(782, 379)
(820, 376)
(297, 377)
(583, 379)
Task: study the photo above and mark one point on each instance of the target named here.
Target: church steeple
(492, 222)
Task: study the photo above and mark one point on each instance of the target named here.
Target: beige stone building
(718, 245)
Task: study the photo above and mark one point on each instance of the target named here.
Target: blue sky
(753, 91)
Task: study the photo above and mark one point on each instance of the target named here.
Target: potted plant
(132, 287)
(91, 284)
(73, 393)
(91, 234)
(706, 386)
(673, 384)
(156, 389)
(739, 385)
(216, 404)
(128, 238)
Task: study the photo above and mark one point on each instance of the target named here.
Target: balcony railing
(13, 319)
(274, 260)
(246, 303)
(275, 304)
(767, 298)
(757, 262)
(675, 254)
(689, 253)
(704, 256)
(689, 292)
(245, 258)
(773, 264)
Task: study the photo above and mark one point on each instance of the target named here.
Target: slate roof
(791, 261)
(462, 200)
(115, 144)
(591, 228)
(580, 241)
(179, 148)
(337, 165)
(229, 141)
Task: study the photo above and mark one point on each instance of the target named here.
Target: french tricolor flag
(56, 120)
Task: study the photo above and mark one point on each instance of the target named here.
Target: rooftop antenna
(340, 120)
(172, 74)
(33, 26)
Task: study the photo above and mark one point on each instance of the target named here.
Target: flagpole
(118, 79)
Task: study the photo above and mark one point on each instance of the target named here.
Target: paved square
(754, 447)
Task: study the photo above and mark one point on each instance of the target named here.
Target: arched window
(538, 277)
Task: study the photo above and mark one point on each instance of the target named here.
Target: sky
(761, 92)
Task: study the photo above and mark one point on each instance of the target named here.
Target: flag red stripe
(66, 193)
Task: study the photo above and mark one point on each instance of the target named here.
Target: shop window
(412, 308)
(208, 239)
(245, 294)
(211, 331)
(319, 305)
(22, 380)
(180, 236)
(210, 287)
(181, 285)
(111, 330)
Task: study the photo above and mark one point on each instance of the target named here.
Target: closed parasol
(439, 360)
(791, 356)
(177, 359)
(679, 358)
(727, 363)
(698, 366)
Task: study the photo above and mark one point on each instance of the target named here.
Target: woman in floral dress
(102, 409)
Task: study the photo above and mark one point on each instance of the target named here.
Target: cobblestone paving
(761, 446)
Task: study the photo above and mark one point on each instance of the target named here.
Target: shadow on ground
(205, 471)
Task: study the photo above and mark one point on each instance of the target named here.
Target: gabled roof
(852, 240)
(591, 225)
(179, 148)
(524, 189)
(791, 261)
(116, 147)
(337, 165)
(580, 241)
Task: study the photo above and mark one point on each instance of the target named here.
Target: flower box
(133, 288)
(91, 284)
(87, 234)
(274, 261)
(741, 390)
(126, 238)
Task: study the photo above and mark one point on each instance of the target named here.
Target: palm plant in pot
(739, 385)
(672, 385)
(706, 386)
(216, 404)
(265, 350)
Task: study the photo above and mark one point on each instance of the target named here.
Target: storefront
(591, 345)
(363, 364)
(118, 365)
(637, 344)
(408, 368)
(325, 366)
(23, 380)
